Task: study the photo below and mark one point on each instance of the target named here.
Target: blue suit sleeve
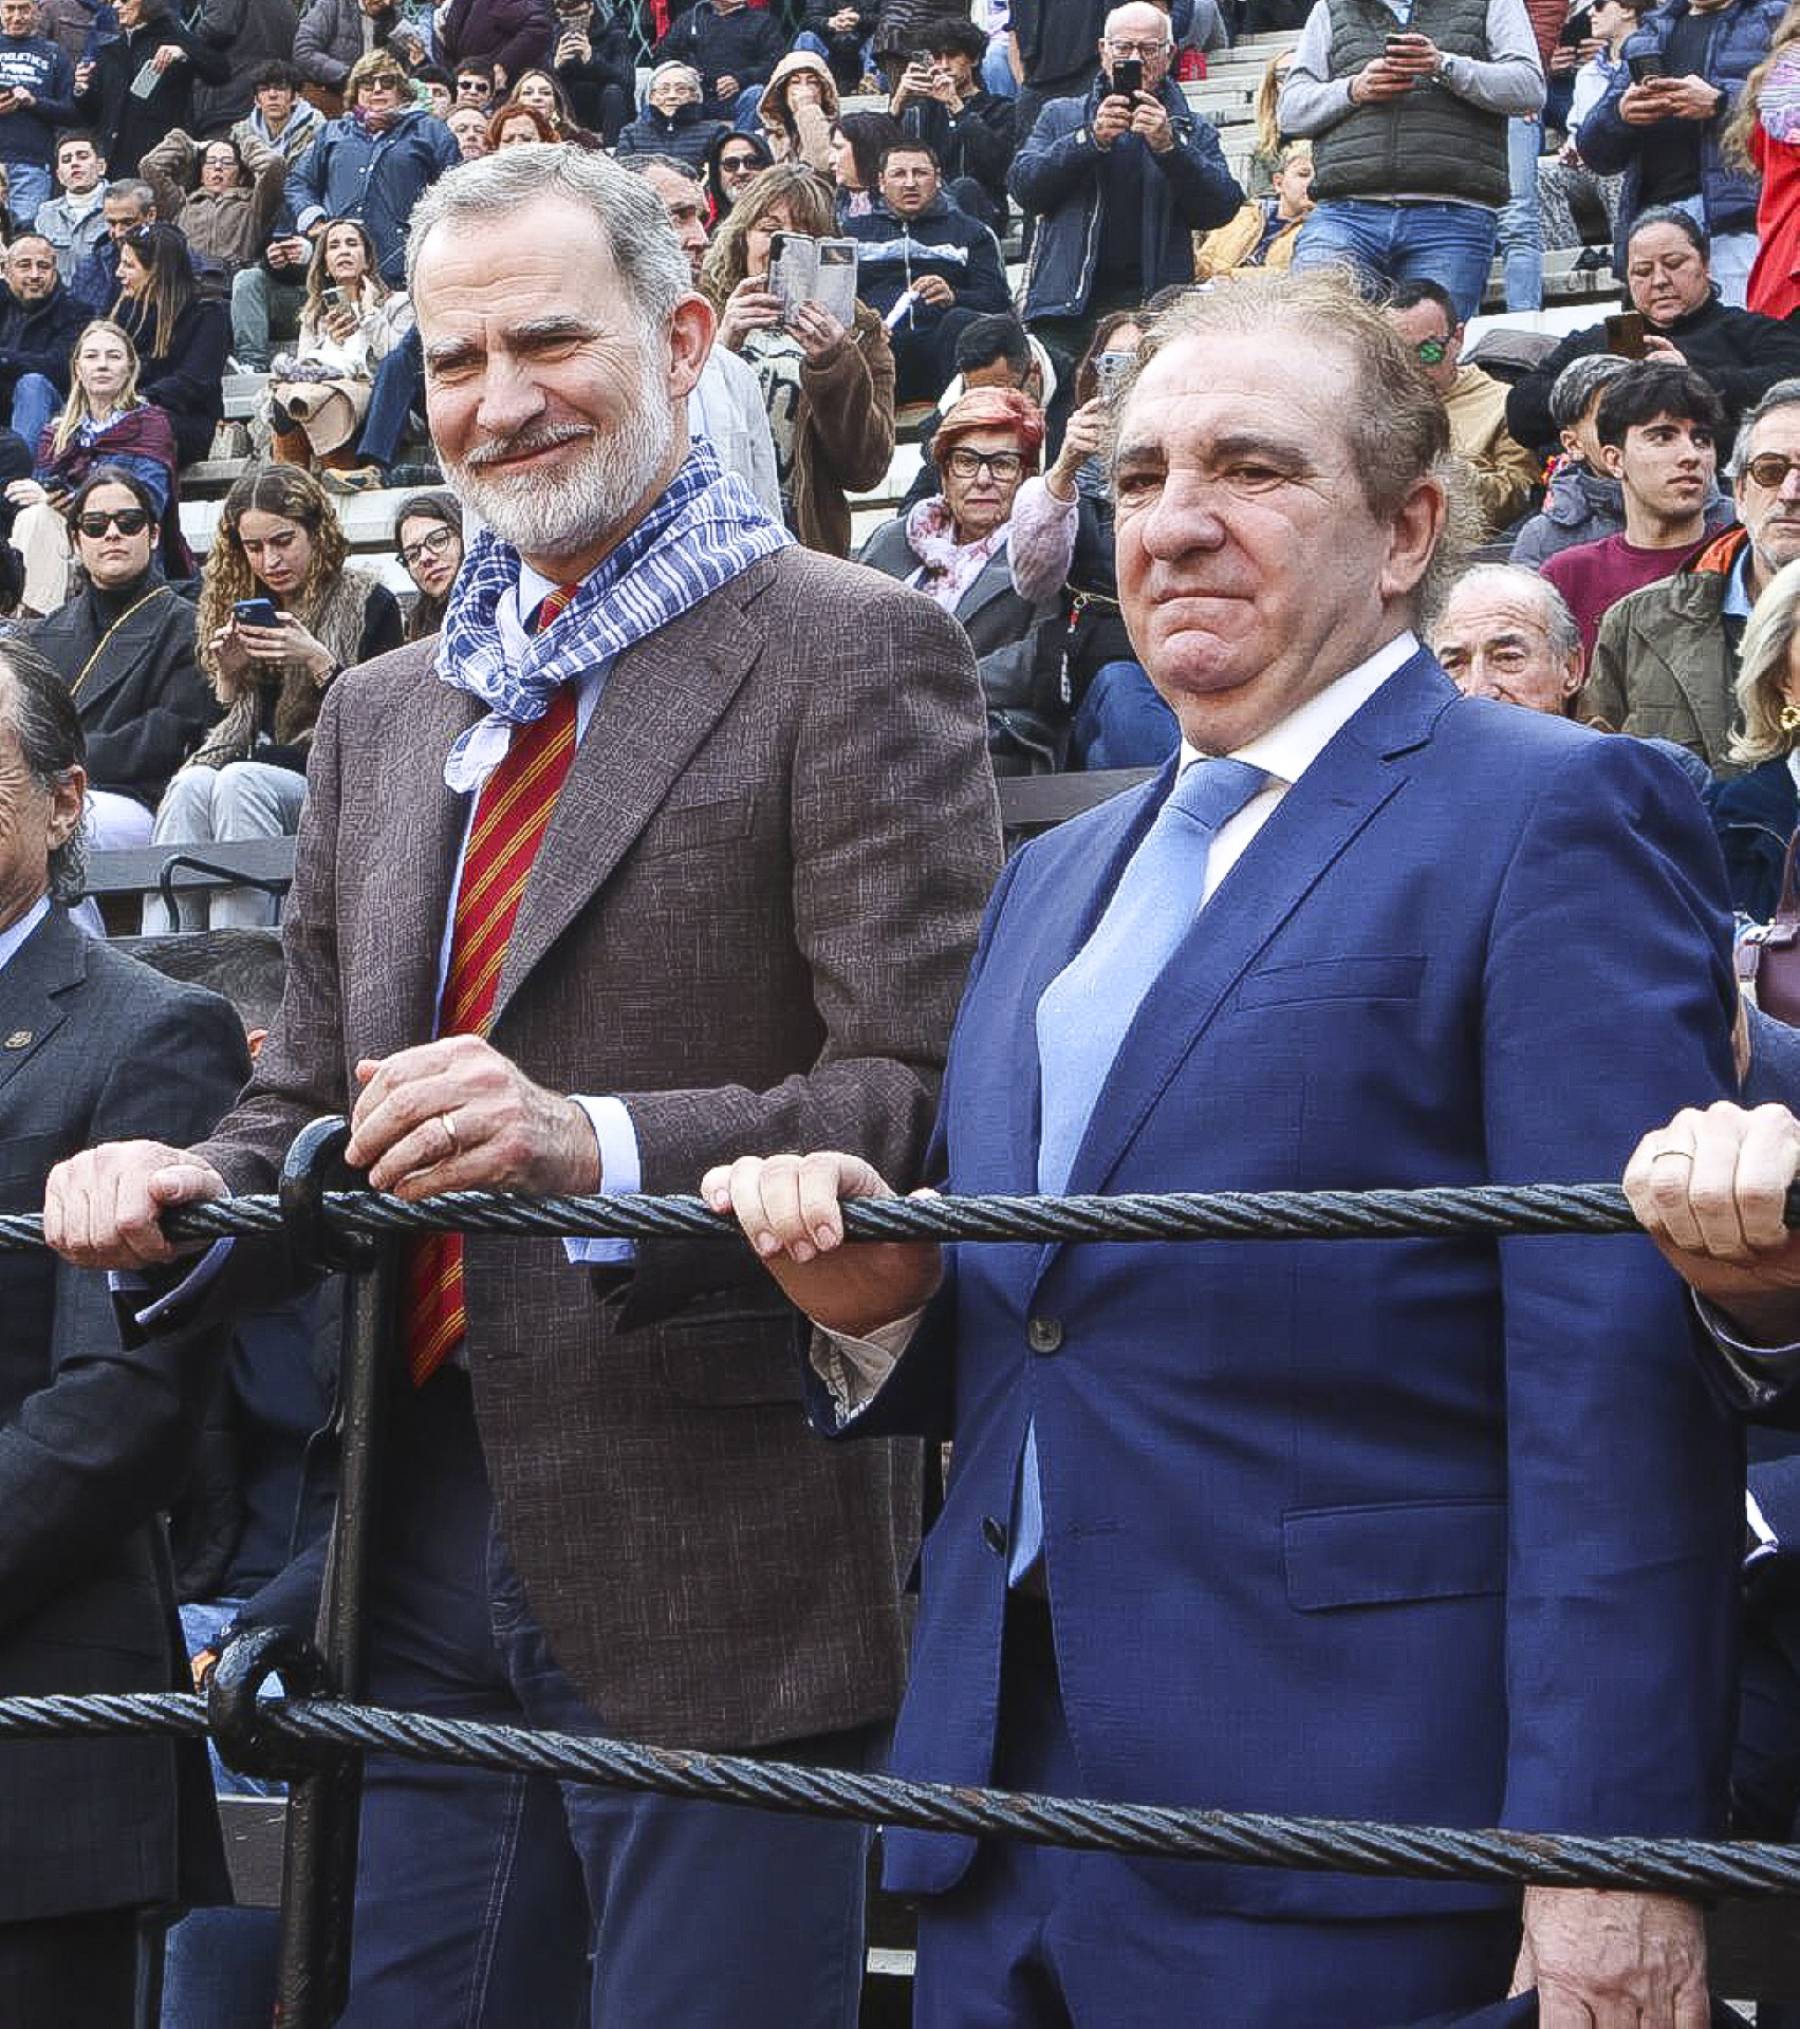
(1625, 1473)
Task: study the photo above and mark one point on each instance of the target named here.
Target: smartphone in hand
(1128, 76)
(256, 613)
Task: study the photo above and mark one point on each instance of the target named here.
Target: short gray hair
(639, 237)
(1561, 629)
(1763, 667)
(1573, 391)
(1785, 394)
(36, 706)
(131, 190)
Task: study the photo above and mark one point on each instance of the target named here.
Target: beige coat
(1501, 470)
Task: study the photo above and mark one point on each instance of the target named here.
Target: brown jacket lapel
(660, 701)
(414, 860)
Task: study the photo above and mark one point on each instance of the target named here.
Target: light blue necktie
(1087, 1010)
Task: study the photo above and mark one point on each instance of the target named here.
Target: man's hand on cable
(1601, 1960)
(103, 1208)
(455, 1115)
(1711, 1190)
(790, 1207)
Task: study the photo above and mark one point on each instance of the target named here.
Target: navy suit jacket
(95, 1436)
(1441, 1531)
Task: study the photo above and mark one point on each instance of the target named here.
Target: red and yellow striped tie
(511, 817)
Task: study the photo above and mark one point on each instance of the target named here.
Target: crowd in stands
(190, 195)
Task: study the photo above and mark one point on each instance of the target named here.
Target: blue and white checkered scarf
(706, 529)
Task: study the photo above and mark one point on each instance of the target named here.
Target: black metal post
(319, 1869)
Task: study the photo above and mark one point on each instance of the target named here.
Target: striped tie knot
(552, 606)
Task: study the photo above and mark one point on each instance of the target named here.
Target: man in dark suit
(749, 917)
(1353, 1530)
(94, 1438)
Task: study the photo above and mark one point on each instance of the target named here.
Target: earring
(1789, 721)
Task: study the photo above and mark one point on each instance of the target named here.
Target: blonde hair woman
(1756, 813)
(105, 421)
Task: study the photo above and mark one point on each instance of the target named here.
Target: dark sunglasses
(127, 520)
(740, 161)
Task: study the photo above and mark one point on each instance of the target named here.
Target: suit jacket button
(993, 1534)
(1043, 1334)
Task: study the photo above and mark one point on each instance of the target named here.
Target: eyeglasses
(1770, 469)
(729, 163)
(1002, 464)
(1431, 351)
(432, 545)
(1143, 49)
(127, 520)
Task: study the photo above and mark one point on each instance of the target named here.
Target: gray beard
(559, 513)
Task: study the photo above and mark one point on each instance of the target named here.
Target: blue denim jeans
(488, 1901)
(28, 185)
(34, 401)
(1521, 236)
(1450, 244)
(996, 72)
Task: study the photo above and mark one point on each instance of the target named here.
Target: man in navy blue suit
(1443, 1531)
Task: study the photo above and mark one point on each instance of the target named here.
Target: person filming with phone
(1662, 125)
(281, 614)
(1129, 149)
(1407, 111)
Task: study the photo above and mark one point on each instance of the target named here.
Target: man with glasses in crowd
(1129, 150)
(1407, 110)
(1665, 665)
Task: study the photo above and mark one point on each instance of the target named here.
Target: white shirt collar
(1291, 746)
(15, 934)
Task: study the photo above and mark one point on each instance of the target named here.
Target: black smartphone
(1625, 334)
(1128, 76)
(1645, 66)
(1576, 30)
(256, 613)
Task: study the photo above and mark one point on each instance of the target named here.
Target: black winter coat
(128, 657)
(1741, 354)
(128, 127)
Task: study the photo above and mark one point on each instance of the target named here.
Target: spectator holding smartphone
(281, 613)
(592, 59)
(1662, 125)
(1409, 134)
(132, 91)
(829, 390)
(37, 90)
(106, 421)
(1121, 180)
(320, 392)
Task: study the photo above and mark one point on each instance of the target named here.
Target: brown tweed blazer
(750, 919)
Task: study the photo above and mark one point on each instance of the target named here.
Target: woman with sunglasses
(124, 644)
(732, 160)
(350, 322)
(183, 341)
(428, 534)
(105, 421)
(281, 613)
